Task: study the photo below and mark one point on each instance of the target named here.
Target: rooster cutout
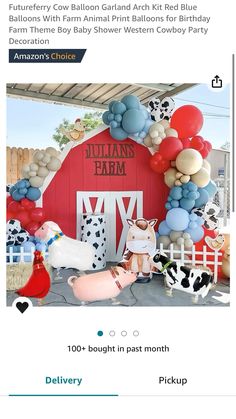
(77, 133)
(38, 284)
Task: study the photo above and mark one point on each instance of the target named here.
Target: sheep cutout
(140, 244)
(64, 251)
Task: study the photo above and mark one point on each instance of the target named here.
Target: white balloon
(52, 151)
(54, 164)
(34, 167)
(36, 181)
(165, 123)
(171, 132)
(43, 172)
(37, 156)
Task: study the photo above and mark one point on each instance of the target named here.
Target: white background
(202, 339)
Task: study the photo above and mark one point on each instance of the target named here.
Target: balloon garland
(23, 217)
(179, 153)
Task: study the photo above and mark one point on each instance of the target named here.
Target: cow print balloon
(161, 109)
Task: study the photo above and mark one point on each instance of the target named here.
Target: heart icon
(22, 306)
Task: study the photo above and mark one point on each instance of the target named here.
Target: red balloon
(37, 214)
(23, 217)
(14, 206)
(186, 142)
(27, 204)
(9, 199)
(208, 145)
(32, 227)
(158, 164)
(10, 215)
(187, 121)
(197, 143)
(170, 147)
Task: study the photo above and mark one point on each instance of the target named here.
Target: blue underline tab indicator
(46, 55)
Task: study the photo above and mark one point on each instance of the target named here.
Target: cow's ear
(130, 222)
(153, 222)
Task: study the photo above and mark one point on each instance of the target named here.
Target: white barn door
(112, 205)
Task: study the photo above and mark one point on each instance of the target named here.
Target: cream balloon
(185, 179)
(165, 123)
(189, 161)
(52, 151)
(37, 156)
(34, 167)
(32, 173)
(206, 165)
(148, 141)
(201, 178)
(54, 164)
(43, 172)
(171, 132)
(175, 235)
(165, 240)
(46, 158)
(170, 176)
(36, 181)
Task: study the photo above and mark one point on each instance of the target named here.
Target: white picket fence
(171, 253)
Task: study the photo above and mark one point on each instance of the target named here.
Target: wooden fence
(16, 158)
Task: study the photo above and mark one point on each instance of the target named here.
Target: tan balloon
(178, 183)
(201, 178)
(175, 235)
(36, 181)
(38, 155)
(165, 123)
(170, 176)
(34, 167)
(52, 151)
(32, 173)
(148, 141)
(189, 161)
(179, 175)
(46, 158)
(43, 172)
(171, 132)
(165, 240)
(185, 179)
(54, 164)
(206, 165)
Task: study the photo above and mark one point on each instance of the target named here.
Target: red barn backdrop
(103, 175)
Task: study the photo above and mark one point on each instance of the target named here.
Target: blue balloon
(32, 239)
(196, 233)
(118, 118)
(193, 216)
(133, 121)
(41, 247)
(118, 133)
(168, 206)
(110, 105)
(148, 124)
(22, 191)
(145, 113)
(193, 195)
(164, 229)
(118, 108)
(177, 219)
(33, 194)
(211, 188)
(174, 203)
(187, 204)
(17, 196)
(20, 184)
(142, 134)
(105, 117)
(12, 189)
(191, 186)
(113, 124)
(110, 117)
(131, 102)
(176, 192)
(192, 224)
(203, 198)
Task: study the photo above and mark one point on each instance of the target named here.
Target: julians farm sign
(110, 159)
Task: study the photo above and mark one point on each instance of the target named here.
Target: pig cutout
(140, 244)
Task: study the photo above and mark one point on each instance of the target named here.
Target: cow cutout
(140, 244)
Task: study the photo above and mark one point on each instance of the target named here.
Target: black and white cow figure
(194, 281)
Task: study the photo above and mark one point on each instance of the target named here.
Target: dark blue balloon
(203, 198)
(118, 134)
(105, 117)
(33, 194)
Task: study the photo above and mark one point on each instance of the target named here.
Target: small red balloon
(37, 214)
(9, 199)
(197, 143)
(14, 206)
(186, 142)
(170, 147)
(32, 227)
(10, 215)
(187, 121)
(23, 217)
(27, 204)
(158, 164)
